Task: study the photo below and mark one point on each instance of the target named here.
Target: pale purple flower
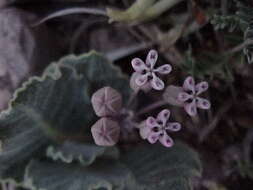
(157, 129)
(147, 73)
(190, 96)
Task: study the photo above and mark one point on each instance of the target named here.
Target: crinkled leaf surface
(84, 153)
(56, 105)
(62, 95)
(21, 141)
(109, 175)
(160, 168)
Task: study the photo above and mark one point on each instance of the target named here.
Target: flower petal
(173, 126)
(146, 87)
(189, 84)
(138, 65)
(164, 69)
(191, 108)
(157, 83)
(141, 79)
(151, 122)
(166, 140)
(151, 58)
(202, 103)
(163, 116)
(144, 130)
(153, 137)
(183, 96)
(201, 87)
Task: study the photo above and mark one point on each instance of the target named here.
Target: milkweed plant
(83, 125)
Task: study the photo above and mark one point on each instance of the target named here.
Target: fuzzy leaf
(62, 95)
(23, 141)
(54, 176)
(84, 153)
(56, 105)
(160, 168)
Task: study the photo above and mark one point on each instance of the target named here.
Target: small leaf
(54, 176)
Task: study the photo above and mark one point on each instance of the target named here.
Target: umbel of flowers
(107, 104)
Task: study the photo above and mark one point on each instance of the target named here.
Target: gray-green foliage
(231, 22)
(240, 19)
(207, 64)
(56, 107)
(83, 153)
(47, 142)
(157, 167)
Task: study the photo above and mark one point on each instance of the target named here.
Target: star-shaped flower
(147, 73)
(190, 96)
(157, 129)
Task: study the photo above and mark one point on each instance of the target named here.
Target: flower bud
(106, 102)
(105, 132)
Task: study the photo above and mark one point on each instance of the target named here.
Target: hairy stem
(131, 99)
(151, 107)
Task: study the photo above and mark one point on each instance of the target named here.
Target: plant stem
(160, 7)
(151, 107)
(70, 11)
(131, 99)
(240, 46)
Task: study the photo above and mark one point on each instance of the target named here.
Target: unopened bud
(105, 132)
(106, 102)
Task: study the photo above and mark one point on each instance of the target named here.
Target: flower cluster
(106, 103)
(146, 75)
(190, 96)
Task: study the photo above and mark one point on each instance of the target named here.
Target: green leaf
(61, 97)
(157, 167)
(20, 142)
(54, 176)
(84, 153)
(56, 107)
